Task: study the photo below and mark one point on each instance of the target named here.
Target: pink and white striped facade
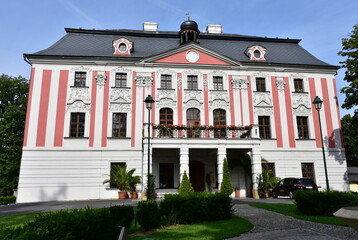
(57, 167)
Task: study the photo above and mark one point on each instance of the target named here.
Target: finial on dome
(188, 14)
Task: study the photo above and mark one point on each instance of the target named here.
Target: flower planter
(123, 195)
(134, 195)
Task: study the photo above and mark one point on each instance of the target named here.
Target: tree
(13, 102)
(350, 133)
(350, 51)
(185, 185)
(226, 186)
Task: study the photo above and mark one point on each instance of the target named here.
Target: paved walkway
(274, 226)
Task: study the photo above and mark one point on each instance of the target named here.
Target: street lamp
(317, 102)
(148, 104)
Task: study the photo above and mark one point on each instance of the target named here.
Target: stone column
(220, 163)
(256, 169)
(184, 160)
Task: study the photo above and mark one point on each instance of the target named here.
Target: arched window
(166, 118)
(220, 120)
(193, 119)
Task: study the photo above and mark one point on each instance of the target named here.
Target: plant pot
(134, 195)
(237, 193)
(122, 195)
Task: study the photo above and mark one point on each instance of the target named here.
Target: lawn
(291, 210)
(203, 231)
(16, 219)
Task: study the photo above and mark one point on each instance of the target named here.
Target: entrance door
(197, 175)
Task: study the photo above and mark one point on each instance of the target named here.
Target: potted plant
(266, 181)
(121, 178)
(133, 181)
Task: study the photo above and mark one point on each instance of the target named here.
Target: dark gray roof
(98, 43)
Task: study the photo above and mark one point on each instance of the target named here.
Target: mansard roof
(99, 44)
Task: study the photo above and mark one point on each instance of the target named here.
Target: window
(166, 175)
(218, 83)
(113, 167)
(193, 119)
(302, 127)
(80, 79)
(193, 82)
(260, 85)
(77, 128)
(269, 166)
(120, 80)
(166, 118)
(298, 84)
(220, 120)
(166, 81)
(264, 127)
(122, 47)
(119, 125)
(308, 170)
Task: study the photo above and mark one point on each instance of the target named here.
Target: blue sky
(30, 26)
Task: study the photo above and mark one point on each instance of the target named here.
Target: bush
(124, 215)
(148, 214)
(323, 203)
(195, 207)
(185, 185)
(7, 199)
(75, 224)
(226, 186)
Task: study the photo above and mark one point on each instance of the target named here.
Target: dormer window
(122, 46)
(256, 53)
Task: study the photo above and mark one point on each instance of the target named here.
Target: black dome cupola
(189, 31)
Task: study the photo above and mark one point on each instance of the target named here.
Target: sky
(30, 26)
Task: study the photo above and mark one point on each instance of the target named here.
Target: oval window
(257, 54)
(122, 47)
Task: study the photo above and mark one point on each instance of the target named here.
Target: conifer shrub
(323, 203)
(185, 185)
(226, 186)
(148, 215)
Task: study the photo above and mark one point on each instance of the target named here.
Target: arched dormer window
(122, 46)
(256, 53)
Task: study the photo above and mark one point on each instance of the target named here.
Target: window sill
(171, 89)
(76, 137)
(300, 92)
(305, 139)
(79, 87)
(268, 138)
(192, 90)
(215, 90)
(261, 91)
(121, 87)
(118, 138)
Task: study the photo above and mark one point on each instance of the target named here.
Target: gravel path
(270, 225)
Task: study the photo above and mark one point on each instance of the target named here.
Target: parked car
(287, 186)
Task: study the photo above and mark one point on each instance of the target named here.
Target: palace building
(216, 96)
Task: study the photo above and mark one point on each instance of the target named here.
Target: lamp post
(148, 104)
(317, 102)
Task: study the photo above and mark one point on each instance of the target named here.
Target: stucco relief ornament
(193, 103)
(301, 99)
(243, 83)
(302, 110)
(235, 83)
(79, 94)
(179, 82)
(219, 95)
(120, 107)
(205, 83)
(280, 83)
(165, 93)
(263, 110)
(193, 94)
(143, 81)
(262, 99)
(78, 106)
(101, 79)
(166, 102)
(219, 103)
(121, 95)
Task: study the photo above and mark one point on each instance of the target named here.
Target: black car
(287, 186)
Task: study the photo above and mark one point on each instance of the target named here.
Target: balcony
(204, 132)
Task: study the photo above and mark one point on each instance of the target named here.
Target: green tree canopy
(350, 138)
(350, 52)
(13, 102)
(185, 185)
(226, 186)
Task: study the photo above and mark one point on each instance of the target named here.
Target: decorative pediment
(121, 95)
(78, 106)
(192, 54)
(222, 95)
(120, 107)
(301, 99)
(262, 99)
(79, 93)
(302, 110)
(219, 103)
(166, 102)
(263, 110)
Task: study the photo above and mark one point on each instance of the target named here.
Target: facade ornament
(120, 107)
(193, 94)
(239, 82)
(193, 103)
(244, 83)
(78, 106)
(179, 82)
(219, 103)
(280, 83)
(302, 110)
(79, 93)
(300, 99)
(121, 95)
(143, 81)
(262, 99)
(166, 102)
(101, 79)
(214, 95)
(166, 93)
(263, 110)
(205, 80)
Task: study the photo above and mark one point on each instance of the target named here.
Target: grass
(16, 220)
(291, 210)
(203, 231)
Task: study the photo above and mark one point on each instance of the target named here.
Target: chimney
(150, 26)
(214, 28)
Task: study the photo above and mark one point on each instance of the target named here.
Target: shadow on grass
(203, 231)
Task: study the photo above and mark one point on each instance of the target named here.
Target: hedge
(148, 214)
(89, 224)
(7, 199)
(195, 207)
(323, 203)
